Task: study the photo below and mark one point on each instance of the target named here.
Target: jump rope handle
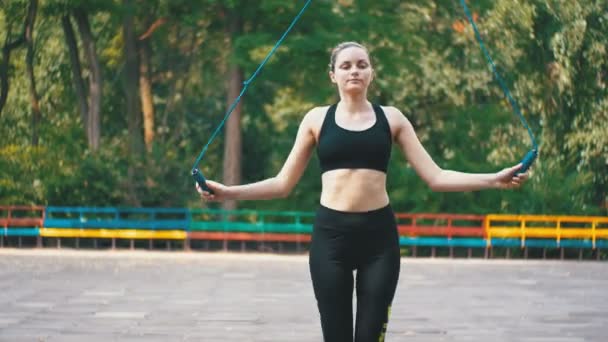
(529, 158)
(200, 180)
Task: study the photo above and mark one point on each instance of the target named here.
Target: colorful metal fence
(547, 231)
(21, 221)
(295, 227)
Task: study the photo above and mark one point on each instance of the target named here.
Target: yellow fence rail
(545, 226)
(114, 233)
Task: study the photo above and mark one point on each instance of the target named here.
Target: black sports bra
(340, 148)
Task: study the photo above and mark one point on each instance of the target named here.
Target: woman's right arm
(439, 179)
(281, 185)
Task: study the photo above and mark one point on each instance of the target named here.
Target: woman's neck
(354, 103)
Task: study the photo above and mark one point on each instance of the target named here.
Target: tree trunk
(232, 146)
(136, 146)
(4, 84)
(134, 121)
(5, 64)
(78, 82)
(145, 80)
(29, 60)
(95, 80)
(145, 87)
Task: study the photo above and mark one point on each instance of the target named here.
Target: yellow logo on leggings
(384, 326)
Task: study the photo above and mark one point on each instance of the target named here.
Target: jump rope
(526, 161)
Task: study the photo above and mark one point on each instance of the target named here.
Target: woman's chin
(354, 88)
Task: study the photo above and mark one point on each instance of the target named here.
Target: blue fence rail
(183, 226)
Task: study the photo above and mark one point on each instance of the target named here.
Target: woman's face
(353, 71)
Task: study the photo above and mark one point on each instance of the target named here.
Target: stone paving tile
(67, 295)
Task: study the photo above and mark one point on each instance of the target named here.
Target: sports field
(67, 295)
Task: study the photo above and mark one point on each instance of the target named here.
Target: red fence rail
(21, 216)
(450, 225)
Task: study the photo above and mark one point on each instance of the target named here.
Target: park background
(108, 103)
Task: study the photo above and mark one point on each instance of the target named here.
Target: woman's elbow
(283, 193)
(434, 186)
(283, 188)
(434, 182)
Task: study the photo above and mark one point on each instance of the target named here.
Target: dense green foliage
(552, 53)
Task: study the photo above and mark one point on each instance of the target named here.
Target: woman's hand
(220, 191)
(509, 179)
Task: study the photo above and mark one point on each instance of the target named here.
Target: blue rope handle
(533, 153)
(196, 173)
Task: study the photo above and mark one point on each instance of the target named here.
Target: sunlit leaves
(552, 54)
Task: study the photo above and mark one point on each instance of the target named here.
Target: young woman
(355, 227)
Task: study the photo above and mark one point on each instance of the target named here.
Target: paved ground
(49, 295)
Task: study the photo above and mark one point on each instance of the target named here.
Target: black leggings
(342, 242)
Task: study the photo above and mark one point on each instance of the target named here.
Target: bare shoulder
(396, 119)
(316, 114)
(313, 120)
(394, 115)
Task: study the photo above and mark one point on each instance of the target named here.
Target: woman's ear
(332, 77)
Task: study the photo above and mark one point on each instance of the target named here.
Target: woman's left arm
(439, 179)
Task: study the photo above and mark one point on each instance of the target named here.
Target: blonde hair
(344, 45)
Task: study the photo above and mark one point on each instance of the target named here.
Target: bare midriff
(354, 190)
